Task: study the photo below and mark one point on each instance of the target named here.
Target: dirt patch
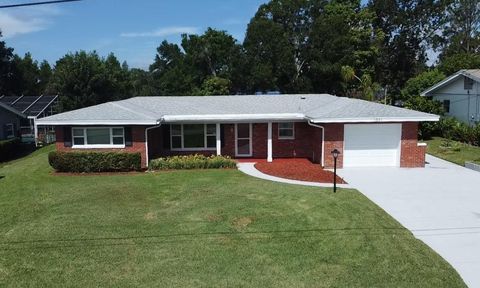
(150, 216)
(214, 218)
(297, 169)
(242, 222)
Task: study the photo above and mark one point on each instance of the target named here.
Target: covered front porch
(267, 140)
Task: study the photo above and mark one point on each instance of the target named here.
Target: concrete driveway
(440, 204)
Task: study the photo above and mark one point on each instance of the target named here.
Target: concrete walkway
(249, 169)
(440, 204)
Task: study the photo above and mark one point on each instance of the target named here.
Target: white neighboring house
(460, 95)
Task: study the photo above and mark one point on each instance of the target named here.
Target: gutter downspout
(146, 140)
(323, 140)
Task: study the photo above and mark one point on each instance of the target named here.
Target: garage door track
(440, 204)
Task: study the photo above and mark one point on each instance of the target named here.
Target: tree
(421, 82)
(461, 33)
(83, 79)
(342, 35)
(215, 86)
(6, 59)
(25, 78)
(409, 27)
(451, 64)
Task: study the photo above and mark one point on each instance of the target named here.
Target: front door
(243, 136)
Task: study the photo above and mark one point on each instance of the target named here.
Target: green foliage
(452, 129)
(459, 61)
(84, 78)
(192, 162)
(8, 148)
(6, 68)
(408, 27)
(215, 86)
(421, 82)
(90, 162)
(423, 104)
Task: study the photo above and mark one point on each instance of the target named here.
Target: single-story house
(460, 95)
(250, 126)
(9, 122)
(32, 108)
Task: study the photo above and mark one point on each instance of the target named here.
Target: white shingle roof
(314, 107)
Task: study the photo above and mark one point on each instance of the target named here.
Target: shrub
(9, 148)
(192, 162)
(453, 129)
(88, 162)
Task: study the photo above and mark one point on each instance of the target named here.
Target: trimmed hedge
(9, 148)
(192, 162)
(91, 162)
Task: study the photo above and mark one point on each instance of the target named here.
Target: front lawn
(199, 229)
(455, 152)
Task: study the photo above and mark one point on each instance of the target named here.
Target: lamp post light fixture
(335, 154)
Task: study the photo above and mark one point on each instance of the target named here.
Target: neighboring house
(10, 119)
(254, 126)
(460, 95)
(33, 108)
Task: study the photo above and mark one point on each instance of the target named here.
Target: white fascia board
(375, 120)
(233, 118)
(441, 84)
(95, 122)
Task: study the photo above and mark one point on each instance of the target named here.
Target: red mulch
(297, 169)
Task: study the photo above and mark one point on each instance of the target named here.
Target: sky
(132, 29)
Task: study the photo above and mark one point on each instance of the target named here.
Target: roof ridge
(119, 105)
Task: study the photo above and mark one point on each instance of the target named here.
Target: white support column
(219, 140)
(269, 143)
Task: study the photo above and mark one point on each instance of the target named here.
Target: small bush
(9, 148)
(91, 162)
(192, 162)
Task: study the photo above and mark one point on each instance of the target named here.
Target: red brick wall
(138, 143)
(307, 143)
(412, 155)
(333, 140)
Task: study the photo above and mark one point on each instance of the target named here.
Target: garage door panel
(370, 145)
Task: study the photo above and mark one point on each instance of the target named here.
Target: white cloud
(28, 20)
(163, 32)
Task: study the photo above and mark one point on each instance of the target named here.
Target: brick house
(251, 126)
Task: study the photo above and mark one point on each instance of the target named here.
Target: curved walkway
(249, 169)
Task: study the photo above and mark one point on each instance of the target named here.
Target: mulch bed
(297, 169)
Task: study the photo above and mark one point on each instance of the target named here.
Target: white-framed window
(286, 130)
(9, 130)
(191, 137)
(98, 137)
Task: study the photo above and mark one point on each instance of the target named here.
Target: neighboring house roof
(154, 110)
(13, 110)
(473, 74)
(32, 106)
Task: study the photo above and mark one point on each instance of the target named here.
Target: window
(98, 137)
(193, 136)
(9, 131)
(286, 131)
(446, 105)
(467, 83)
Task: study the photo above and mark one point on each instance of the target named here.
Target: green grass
(211, 228)
(457, 153)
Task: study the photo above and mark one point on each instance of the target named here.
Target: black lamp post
(335, 154)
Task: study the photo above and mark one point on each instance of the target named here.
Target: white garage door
(372, 145)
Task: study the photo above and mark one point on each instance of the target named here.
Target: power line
(35, 3)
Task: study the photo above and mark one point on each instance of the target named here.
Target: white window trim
(97, 146)
(12, 127)
(286, 137)
(205, 137)
(249, 138)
